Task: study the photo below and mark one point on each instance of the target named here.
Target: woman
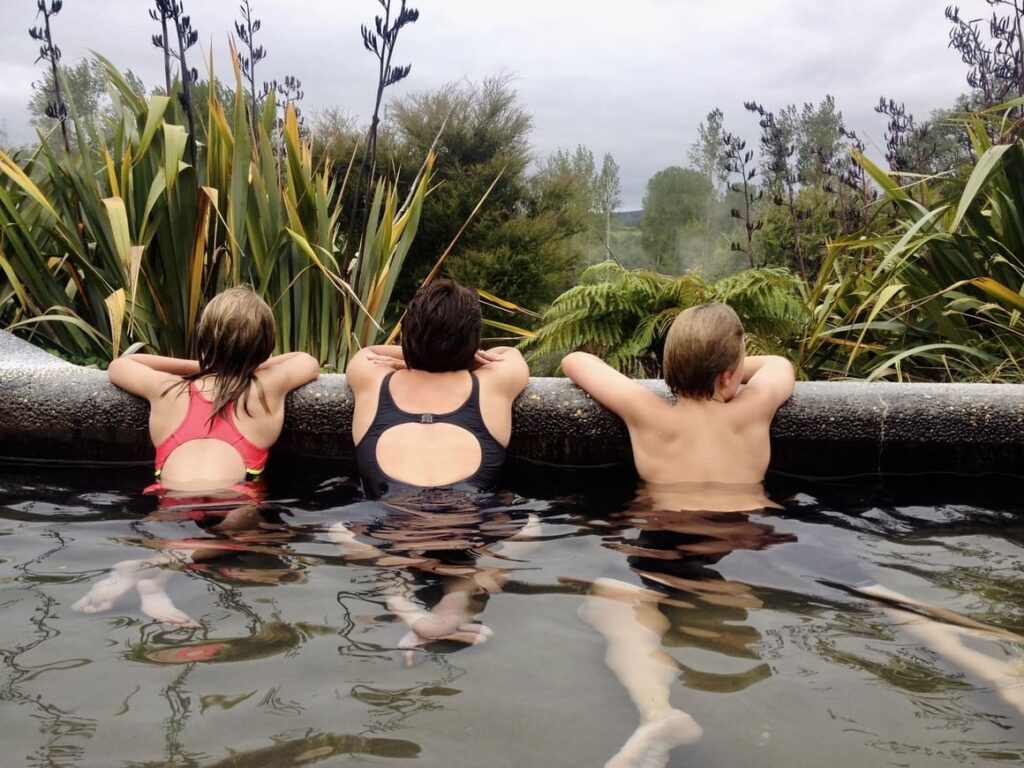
(435, 412)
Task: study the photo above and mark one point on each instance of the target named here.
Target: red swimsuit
(195, 426)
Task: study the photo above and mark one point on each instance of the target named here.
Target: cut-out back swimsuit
(376, 482)
(196, 426)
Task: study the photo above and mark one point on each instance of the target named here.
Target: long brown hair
(234, 337)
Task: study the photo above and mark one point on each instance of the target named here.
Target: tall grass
(123, 243)
(932, 289)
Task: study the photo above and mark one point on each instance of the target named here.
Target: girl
(213, 420)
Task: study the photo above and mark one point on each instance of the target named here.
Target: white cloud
(631, 78)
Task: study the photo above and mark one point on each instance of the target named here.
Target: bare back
(210, 463)
(431, 452)
(700, 441)
(203, 463)
(721, 440)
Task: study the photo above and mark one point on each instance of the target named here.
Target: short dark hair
(441, 329)
(703, 342)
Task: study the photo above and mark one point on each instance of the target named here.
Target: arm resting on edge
(620, 394)
(769, 377)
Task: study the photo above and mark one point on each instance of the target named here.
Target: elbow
(572, 362)
(116, 370)
(310, 367)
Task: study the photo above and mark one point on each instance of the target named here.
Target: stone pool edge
(51, 410)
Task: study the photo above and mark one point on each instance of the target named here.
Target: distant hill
(626, 219)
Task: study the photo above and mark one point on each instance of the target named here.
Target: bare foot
(448, 621)
(1006, 677)
(157, 605)
(104, 593)
(340, 534)
(650, 744)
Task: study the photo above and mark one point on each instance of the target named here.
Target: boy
(713, 433)
(710, 451)
(712, 447)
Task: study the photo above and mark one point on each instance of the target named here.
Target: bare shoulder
(365, 371)
(625, 397)
(769, 382)
(503, 370)
(283, 373)
(139, 379)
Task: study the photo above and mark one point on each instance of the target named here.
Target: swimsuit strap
(467, 416)
(197, 425)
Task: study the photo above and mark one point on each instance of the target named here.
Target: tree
(86, 96)
(580, 165)
(819, 140)
(707, 155)
(485, 141)
(522, 243)
(820, 215)
(601, 190)
(675, 198)
(781, 172)
(609, 194)
(941, 143)
(49, 52)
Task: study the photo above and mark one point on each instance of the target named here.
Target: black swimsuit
(376, 482)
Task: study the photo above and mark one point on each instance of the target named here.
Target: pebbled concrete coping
(51, 410)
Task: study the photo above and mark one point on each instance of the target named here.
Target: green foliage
(933, 293)
(122, 244)
(772, 303)
(707, 153)
(675, 198)
(622, 315)
(942, 143)
(821, 215)
(532, 256)
(819, 142)
(522, 244)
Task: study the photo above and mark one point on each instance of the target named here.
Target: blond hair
(234, 337)
(703, 342)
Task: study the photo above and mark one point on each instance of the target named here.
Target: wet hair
(703, 342)
(234, 337)
(441, 329)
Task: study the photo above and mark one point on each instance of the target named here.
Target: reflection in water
(317, 747)
(390, 707)
(62, 730)
(718, 599)
(671, 536)
(273, 638)
(447, 539)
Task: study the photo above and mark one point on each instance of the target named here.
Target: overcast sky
(630, 78)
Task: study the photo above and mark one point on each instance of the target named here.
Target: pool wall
(53, 411)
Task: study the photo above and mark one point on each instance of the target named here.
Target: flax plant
(932, 288)
(123, 244)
